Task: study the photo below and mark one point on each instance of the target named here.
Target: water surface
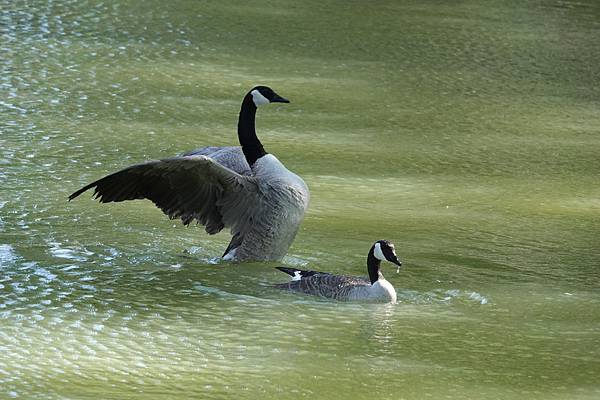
(465, 133)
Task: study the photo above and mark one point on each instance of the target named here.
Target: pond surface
(465, 132)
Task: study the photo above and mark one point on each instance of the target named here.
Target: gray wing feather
(231, 157)
(189, 187)
(238, 213)
(325, 285)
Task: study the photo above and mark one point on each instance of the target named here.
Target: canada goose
(245, 189)
(341, 287)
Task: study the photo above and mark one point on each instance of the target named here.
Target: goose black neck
(251, 146)
(373, 266)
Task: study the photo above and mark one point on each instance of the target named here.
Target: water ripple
(112, 301)
(7, 255)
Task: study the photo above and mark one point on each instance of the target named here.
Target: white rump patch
(230, 255)
(258, 98)
(378, 253)
(297, 276)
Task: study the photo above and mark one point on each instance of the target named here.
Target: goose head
(384, 250)
(265, 95)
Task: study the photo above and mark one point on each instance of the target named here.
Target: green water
(465, 132)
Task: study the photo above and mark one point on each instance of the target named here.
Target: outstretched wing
(188, 187)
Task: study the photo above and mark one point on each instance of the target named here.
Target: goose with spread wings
(242, 188)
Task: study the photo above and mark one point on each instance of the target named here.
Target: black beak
(396, 261)
(278, 99)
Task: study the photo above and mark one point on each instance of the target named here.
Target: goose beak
(397, 262)
(278, 99)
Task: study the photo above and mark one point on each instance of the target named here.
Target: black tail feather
(303, 273)
(289, 271)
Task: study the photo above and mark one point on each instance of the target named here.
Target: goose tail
(297, 274)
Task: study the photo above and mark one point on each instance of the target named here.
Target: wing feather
(188, 188)
(325, 285)
(231, 157)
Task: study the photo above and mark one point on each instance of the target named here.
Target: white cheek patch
(297, 276)
(378, 253)
(258, 98)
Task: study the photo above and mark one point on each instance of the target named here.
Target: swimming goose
(340, 287)
(242, 188)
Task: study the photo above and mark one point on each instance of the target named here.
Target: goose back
(341, 287)
(231, 157)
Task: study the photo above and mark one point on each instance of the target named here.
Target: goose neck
(373, 267)
(251, 146)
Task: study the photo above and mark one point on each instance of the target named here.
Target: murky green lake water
(465, 132)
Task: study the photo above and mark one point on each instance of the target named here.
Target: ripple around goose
(242, 188)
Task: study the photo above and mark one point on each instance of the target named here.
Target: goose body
(349, 288)
(231, 157)
(242, 188)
